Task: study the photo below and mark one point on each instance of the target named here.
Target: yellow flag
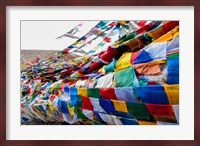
(122, 22)
(85, 58)
(102, 69)
(172, 92)
(117, 43)
(124, 61)
(35, 84)
(168, 36)
(82, 91)
(141, 122)
(95, 48)
(54, 85)
(120, 106)
(59, 93)
(70, 109)
(30, 96)
(50, 105)
(155, 34)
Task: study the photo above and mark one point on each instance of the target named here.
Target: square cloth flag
(73, 95)
(79, 102)
(82, 91)
(155, 34)
(124, 61)
(109, 119)
(86, 104)
(173, 70)
(126, 121)
(126, 77)
(126, 94)
(149, 68)
(173, 44)
(154, 51)
(120, 106)
(107, 93)
(63, 106)
(93, 92)
(144, 122)
(139, 110)
(70, 109)
(172, 92)
(105, 81)
(160, 109)
(154, 94)
(176, 111)
(107, 105)
(96, 105)
(111, 66)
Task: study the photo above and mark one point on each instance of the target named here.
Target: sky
(41, 35)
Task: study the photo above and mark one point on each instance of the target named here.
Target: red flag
(66, 50)
(86, 104)
(160, 109)
(107, 39)
(108, 93)
(142, 23)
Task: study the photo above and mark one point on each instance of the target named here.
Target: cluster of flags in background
(99, 37)
(129, 77)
